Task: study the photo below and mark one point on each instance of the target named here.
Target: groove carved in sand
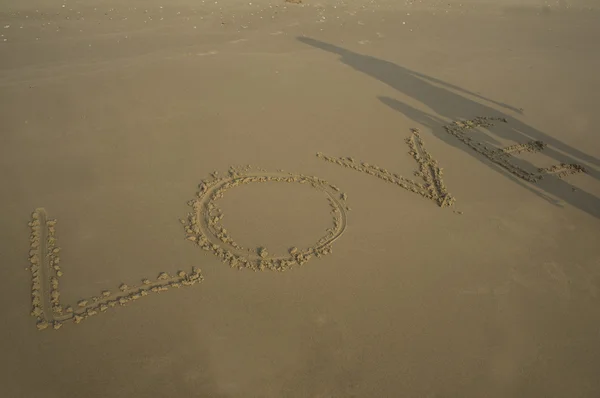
(46, 271)
(433, 187)
(503, 157)
(203, 225)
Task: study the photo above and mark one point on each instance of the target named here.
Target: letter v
(433, 187)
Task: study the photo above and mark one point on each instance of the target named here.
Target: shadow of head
(324, 46)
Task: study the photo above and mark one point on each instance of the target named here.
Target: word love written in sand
(203, 225)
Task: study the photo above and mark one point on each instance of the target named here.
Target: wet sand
(325, 199)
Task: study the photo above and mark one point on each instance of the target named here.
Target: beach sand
(338, 198)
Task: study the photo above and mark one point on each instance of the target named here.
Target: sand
(336, 198)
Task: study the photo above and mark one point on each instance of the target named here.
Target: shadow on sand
(454, 103)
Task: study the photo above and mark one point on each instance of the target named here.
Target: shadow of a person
(451, 102)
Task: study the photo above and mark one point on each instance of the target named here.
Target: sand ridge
(562, 170)
(503, 156)
(429, 170)
(204, 222)
(46, 270)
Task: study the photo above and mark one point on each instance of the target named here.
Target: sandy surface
(115, 114)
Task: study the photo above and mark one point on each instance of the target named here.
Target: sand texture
(167, 230)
